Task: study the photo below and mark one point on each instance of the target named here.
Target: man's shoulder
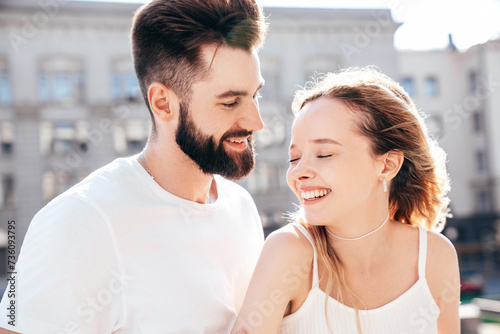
(105, 184)
(115, 172)
(104, 180)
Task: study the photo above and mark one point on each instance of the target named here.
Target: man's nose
(251, 119)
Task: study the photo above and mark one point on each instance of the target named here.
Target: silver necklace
(361, 237)
(141, 156)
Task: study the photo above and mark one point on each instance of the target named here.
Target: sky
(425, 23)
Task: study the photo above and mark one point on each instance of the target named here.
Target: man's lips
(236, 143)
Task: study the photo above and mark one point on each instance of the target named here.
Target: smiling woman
(372, 188)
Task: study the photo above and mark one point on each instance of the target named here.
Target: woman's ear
(163, 102)
(392, 162)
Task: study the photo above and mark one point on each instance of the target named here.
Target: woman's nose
(301, 171)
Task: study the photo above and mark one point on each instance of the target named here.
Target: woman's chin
(315, 221)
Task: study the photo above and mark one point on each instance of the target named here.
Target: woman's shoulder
(442, 271)
(290, 245)
(293, 255)
(291, 238)
(440, 251)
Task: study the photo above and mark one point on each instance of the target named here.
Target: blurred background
(70, 103)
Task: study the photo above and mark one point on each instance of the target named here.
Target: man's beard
(209, 156)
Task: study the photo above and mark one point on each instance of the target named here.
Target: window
(43, 87)
(60, 80)
(5, 94)
(130, 136)
(4, 89)
(483, 202)
(408, 86)
(431, 87)
(125, 87)
(124, 84)
(477, 121)
(480, 161)
(6, 137)
(472, 81)
(63, 137)
(60, 87)
(6, 191)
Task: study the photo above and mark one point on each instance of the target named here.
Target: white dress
(415, 311)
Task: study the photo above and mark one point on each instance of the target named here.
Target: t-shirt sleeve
(67, 277)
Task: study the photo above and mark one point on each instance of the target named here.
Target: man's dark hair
(167, 36)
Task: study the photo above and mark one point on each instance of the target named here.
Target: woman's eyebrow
(321, 141)
(326, 141)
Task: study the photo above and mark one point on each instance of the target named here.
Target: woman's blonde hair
(385, 114)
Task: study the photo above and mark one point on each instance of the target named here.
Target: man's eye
(325, 156)
(293, 160)
(229, 105)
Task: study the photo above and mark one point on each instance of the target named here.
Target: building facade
(460, 93)
(70, 103)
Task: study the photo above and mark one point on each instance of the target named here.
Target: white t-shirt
(118, 254)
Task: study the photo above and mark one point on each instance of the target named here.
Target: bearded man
(164, 241)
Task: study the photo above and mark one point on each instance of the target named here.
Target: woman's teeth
(308, 195)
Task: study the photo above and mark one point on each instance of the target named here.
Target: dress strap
(304, 231)
(422, 251)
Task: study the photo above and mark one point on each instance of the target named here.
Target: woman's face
(331, 169)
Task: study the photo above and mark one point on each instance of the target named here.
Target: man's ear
(163, 102)
(392, 162)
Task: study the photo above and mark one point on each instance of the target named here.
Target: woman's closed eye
(320, 156)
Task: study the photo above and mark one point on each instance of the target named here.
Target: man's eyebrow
(321, 141)
(233, 93)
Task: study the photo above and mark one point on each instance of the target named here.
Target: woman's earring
(385, 185)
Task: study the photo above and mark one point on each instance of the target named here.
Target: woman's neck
(369, 251)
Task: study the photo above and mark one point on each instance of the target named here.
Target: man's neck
(175, 172)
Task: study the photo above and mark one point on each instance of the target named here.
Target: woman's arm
(444, 281)
(283, 270)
